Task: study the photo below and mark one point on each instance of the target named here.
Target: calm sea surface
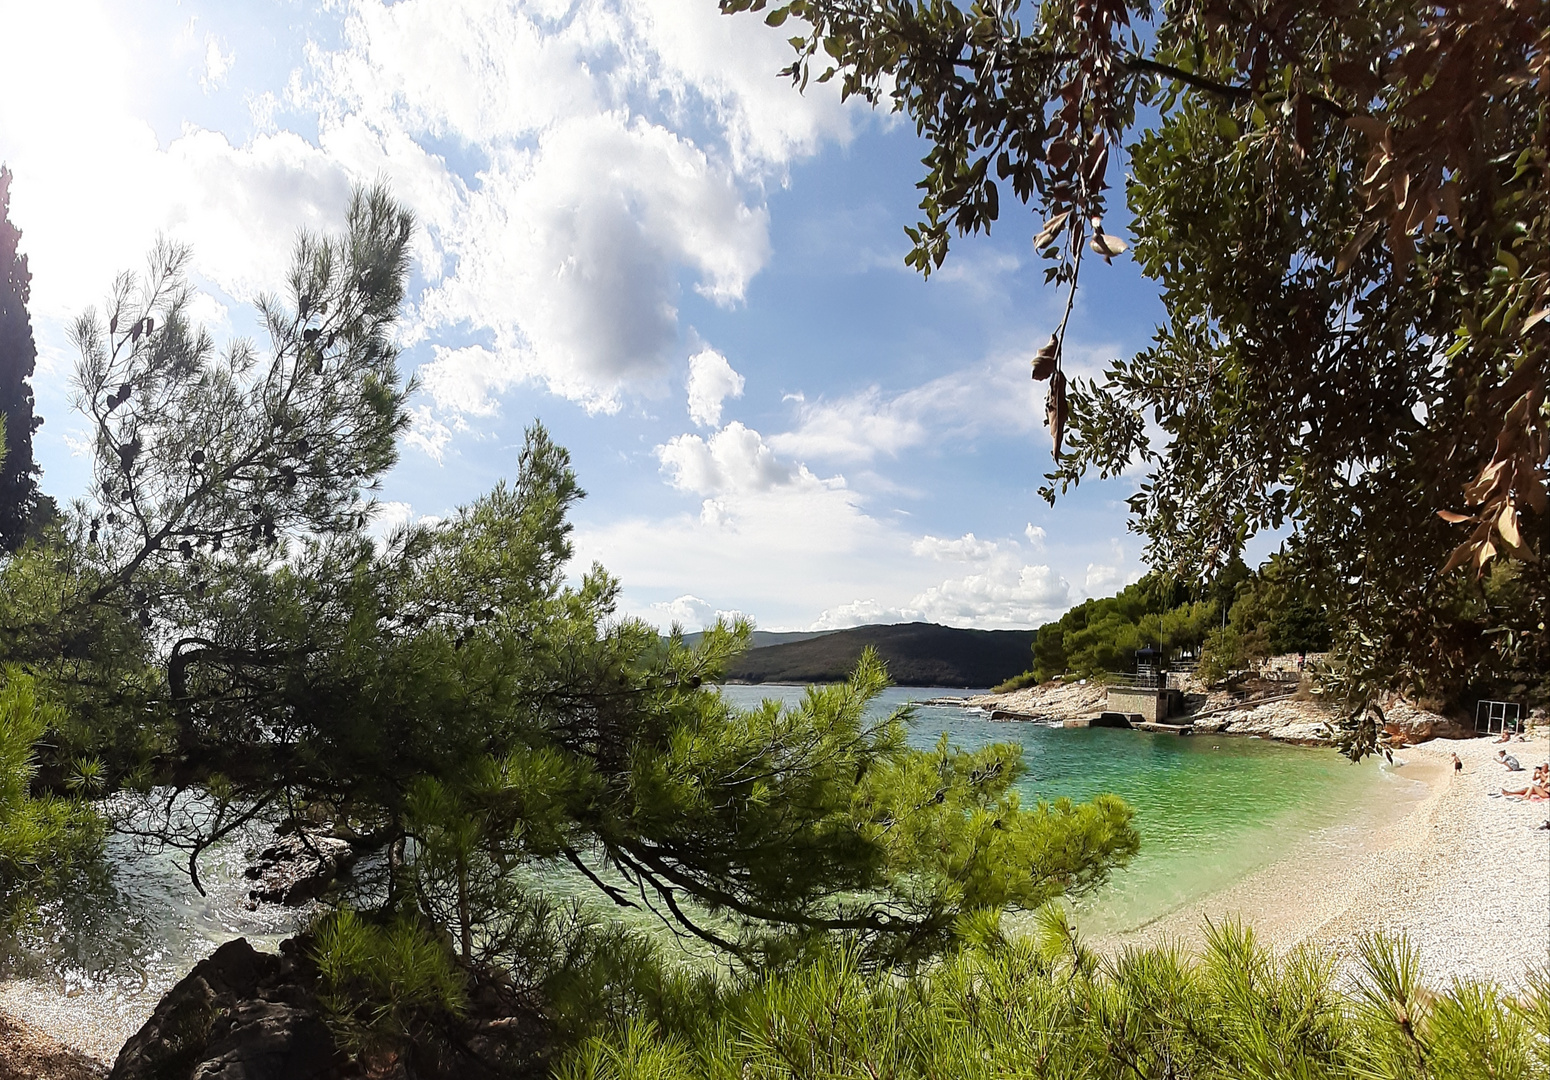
(1210, 809)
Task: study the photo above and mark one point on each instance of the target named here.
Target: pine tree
(18, 355)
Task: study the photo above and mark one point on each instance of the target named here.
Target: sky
(629, 229)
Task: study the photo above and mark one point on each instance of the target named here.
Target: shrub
(1045, 1006)
(378, 982)
(44, 840)
(1016, 682)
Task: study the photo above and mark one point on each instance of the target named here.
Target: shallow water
(1210, 809)
(123, 936)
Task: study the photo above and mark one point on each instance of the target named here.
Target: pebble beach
(1463, 874)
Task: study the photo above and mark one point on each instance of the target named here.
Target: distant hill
(763, 639)
(917, 654)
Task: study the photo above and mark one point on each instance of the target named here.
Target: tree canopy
(229, 643)
(18, 358)
(1344, 207)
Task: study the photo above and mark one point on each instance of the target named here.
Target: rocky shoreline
(1271, 711)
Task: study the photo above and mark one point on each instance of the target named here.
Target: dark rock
(247, 1015)
(298, 867)
(239, 1015)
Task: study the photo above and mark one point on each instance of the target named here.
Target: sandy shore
(1464, 875)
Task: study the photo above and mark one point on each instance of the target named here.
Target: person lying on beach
(1506, 736)
(1538, 785)
(1504, 758)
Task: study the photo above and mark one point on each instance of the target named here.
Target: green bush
(1016, 682)
(1045, 1006)
(379, 981)
(44, 840)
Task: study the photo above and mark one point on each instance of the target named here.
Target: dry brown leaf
(1055, 410)
(1507, 525)
(1461, 555)
(1045, 359)
(1348, 254)
(1370, 126)
(1051, 229)
(1108, 246)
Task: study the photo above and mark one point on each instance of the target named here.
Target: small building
(1152, 705)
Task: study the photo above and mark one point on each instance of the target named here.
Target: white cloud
(1100, 578)
(1003, 591)
(569, 253)
(395, 514)
(574, 166)
(858, 428)
(90, 205)
(964, 549)
(786, 543)
(687, 611)
(593, 204)
(1035, 536)
(390, 515)
(689, 51)
(735, 460)
(218, 63)
(468, 381)
(862, 613)
(691, 613)
(864, 426)
(427, 433)
(711, 381)
(1006, 593)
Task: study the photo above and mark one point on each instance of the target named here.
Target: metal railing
(1137, 680)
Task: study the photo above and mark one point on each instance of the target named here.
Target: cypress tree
(18, 356)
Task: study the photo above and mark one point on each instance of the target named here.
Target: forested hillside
(917, 654)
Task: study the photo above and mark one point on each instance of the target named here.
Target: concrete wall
(1153, 706)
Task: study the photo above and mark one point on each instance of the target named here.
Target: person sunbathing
(1533, 791)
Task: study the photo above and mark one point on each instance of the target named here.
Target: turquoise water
(1210, 808)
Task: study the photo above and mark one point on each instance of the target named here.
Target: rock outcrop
(1048, 702)
(239, 1015)
(1293, 719)
(298, 867)
(1408, 723)
(1289, 720)
(247, 1015)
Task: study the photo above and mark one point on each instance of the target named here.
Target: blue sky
(630, 230)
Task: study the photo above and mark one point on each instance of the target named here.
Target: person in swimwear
(1538, 788)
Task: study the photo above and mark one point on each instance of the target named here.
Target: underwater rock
(298, 867)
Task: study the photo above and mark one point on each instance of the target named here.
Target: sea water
(1209, 809)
